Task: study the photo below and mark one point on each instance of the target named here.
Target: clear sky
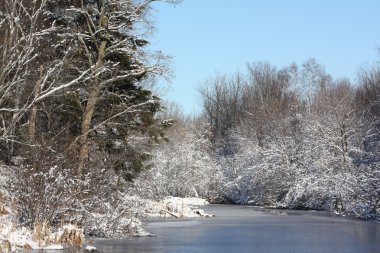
(206, 37)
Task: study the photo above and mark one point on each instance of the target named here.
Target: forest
(288, 138)
(85, 137)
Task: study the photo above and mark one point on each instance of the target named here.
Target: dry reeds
(3, 210)
(41, 233)
(5, 246)
(69, 234)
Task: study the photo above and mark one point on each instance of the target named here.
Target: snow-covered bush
(259, 175)
(182, 167)
(365, 193)
(55, 195)
(238, 157)
(116, 216)
(43, 194)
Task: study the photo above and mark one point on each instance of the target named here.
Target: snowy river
(247, 229)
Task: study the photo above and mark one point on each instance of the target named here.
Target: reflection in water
(247, 229)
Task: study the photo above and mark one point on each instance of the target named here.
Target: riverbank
(13, 236)
(175, 207)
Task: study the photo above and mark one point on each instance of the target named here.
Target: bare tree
(222, 102)
(368, 93)
(314, 79)
(18, 34)
(336, 114)
(266, 99)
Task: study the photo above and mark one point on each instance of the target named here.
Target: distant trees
(222, 101)
(297, 138)
(366, 157)
(291, 138)
(368, 94)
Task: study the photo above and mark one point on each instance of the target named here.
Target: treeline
(291, 138)
(297, 138)
(77, 110)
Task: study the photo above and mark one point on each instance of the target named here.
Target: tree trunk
(91, 102)
(86, 124)
(33, 112)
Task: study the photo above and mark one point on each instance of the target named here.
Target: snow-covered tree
(222, 102)
(73, 103)
(311, 146)
(64, 62)
(109, 37)
(182, 167)
(314, 80)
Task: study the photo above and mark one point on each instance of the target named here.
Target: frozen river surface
(247, 229)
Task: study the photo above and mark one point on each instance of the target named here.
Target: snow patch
(13, 238)
(54, 247)
(186, 201)
(175, 207)
(90, 248)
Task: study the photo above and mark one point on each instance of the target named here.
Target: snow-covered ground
(121, 220)
(13, 236)
(177, 208)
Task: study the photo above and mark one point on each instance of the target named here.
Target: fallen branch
(171, 213)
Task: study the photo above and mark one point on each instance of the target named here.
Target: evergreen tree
(82, 89)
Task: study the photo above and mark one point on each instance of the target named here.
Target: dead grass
(67, 234)
(3, 210)
(41, 233)
(70, 234)
(5, 246)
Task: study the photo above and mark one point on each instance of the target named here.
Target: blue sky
(206, 37)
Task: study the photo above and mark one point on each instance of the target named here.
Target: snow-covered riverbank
(13, 237)
(177, 208)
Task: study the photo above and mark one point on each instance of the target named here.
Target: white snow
(13, 237)
(177, 207)
(186, 201)
(90, 248)
(21, 238)
(54, 247)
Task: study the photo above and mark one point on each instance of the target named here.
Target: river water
(243, 229)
